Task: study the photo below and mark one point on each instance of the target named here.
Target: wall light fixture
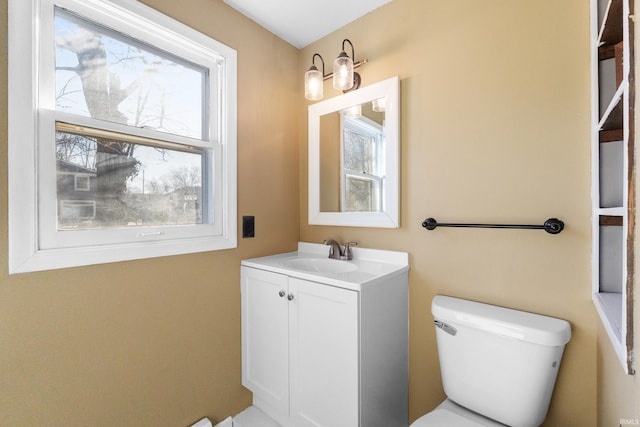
(314, 80)
(344, 76)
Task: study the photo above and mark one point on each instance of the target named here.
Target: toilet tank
(498, 362)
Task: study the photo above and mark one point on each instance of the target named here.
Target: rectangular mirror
(354, 159)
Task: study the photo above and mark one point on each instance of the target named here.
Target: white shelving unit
(613, 177)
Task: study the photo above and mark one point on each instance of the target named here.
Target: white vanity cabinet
(319, 354)
(300, 336)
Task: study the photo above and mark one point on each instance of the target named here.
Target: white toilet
(498, 365)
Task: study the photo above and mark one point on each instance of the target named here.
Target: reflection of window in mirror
(362, 165)
(354, 172)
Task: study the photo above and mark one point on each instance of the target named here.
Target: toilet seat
(448, 414)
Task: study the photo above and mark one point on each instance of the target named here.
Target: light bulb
(313, 84)
(355, 111)
(379, 105)
(343, 72)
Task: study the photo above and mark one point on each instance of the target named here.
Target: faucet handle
(348, 255)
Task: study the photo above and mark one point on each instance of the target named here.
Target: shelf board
(611, 135)
(617, 211)
(611, 29)
(606, 52)
(611, 221)
(609, 305)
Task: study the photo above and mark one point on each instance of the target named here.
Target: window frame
(32, 121)
(365, 127)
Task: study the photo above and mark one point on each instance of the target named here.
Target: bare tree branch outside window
(108, 76)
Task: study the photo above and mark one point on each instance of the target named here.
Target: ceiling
(301, 22)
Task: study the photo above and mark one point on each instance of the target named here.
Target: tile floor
(253, 417)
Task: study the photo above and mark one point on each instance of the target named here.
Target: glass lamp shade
(379, 105)
(355, 112)
(343, 72)
(313, 84)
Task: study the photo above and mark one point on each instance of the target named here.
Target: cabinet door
(323, 355)
(265, 360)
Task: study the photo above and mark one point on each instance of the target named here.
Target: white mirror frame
(390, 215)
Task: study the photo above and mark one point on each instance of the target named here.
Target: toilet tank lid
(515, 324)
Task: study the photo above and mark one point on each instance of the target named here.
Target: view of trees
(362, 141)
(108, 76)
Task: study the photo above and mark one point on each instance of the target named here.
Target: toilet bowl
(498, 365)
(449, 414)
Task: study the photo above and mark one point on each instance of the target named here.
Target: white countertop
(371, 265)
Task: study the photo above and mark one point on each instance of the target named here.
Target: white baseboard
(227, 422)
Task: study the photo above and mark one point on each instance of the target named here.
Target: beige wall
(618, 393)
(495, 128)
(155, 342)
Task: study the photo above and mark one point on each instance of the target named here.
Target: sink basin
(319, 265)
(311, 262)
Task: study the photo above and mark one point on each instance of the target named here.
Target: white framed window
(362, 178)
(139, 112)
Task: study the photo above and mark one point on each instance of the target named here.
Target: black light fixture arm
(551, 226)
(353, 58)
(313, 62)
(356, 77)
(353, 52)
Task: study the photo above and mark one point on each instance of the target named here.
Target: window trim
(362, 126)
(25, 251)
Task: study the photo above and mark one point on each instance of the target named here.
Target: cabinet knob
(290, 297)
(281, 293)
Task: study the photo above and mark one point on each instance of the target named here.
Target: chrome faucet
(336, 252)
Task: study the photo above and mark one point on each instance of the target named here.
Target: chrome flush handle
(445, 327)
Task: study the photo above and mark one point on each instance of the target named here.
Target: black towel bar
(551, 226)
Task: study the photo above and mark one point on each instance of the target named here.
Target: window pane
(359, 153)
(362, 165)
(361, 195)
(126, 184)
(106, 75)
